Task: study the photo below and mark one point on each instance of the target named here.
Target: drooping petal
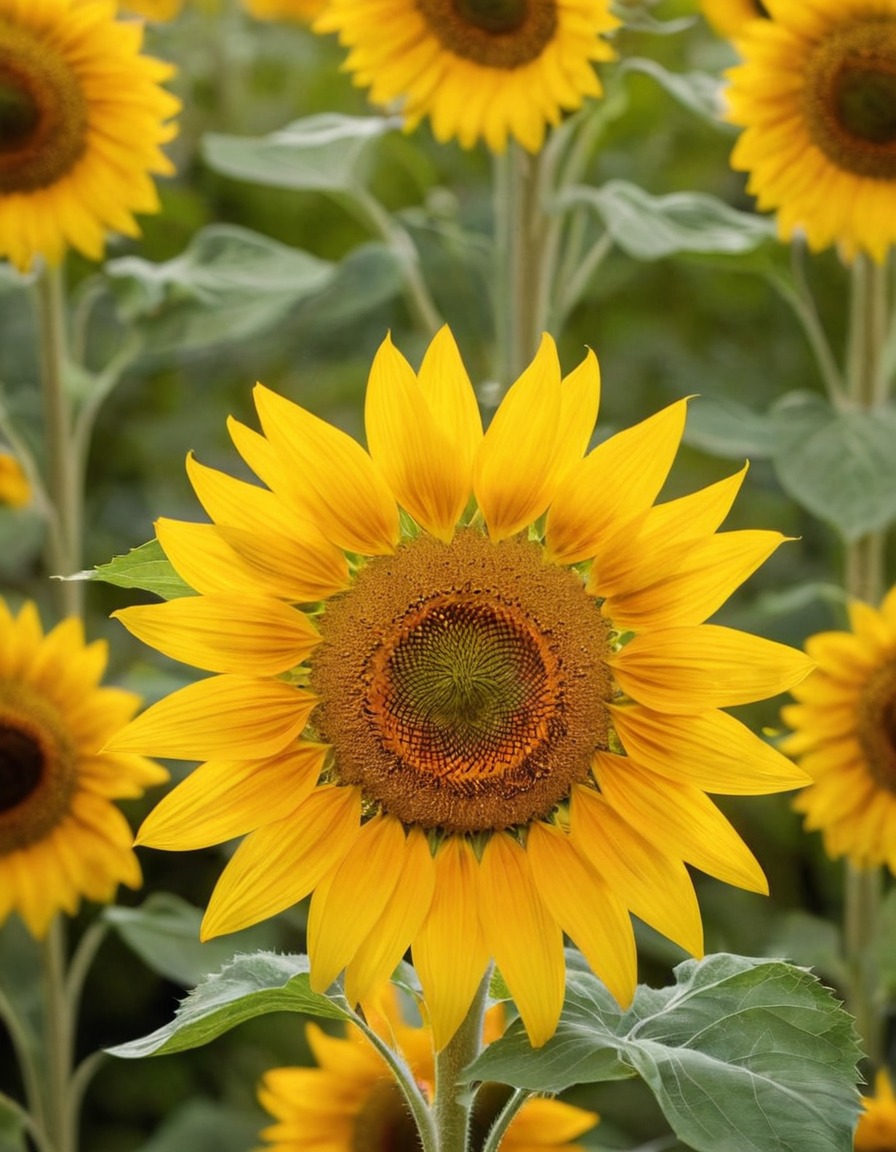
(585, 908)
(690, 670)
(239, 633)
(282, 862)
(226, 717)
(513, 472)
(449, 951)
(522, 935)
(223, 799)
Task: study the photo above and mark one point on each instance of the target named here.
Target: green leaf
(653, 227)
(840, 465)
(742, 1055)
(164, 933)
(12, 1132)
(228, 284)
(319, 153)
(145, 567)
(202, 1126)
(247, 987)
(729, 429)
(699, 92)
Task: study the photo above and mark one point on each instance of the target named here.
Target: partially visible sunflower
(730, 17)
(479, 70)
(351, 1101)
(15, 491)
(490, 720)
(61, 838)
(82, 117)
(876, 1131)
(816, 95)
(844, 736)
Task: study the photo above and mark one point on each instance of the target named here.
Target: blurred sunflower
(876, 1131)
(845, 736)
(816, 95)
(15, 491)
(729, 17)
(479, 70)
(351, 1100)
(482, 728)
(60, 837)
(81, 120)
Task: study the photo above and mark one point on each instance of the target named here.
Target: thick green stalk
(59, 1039)
(453, 1101)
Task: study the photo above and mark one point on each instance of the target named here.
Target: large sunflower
(489, 721)
(61, 838)
(816, 95)
(477, 68)
(876, 1131)
(81, 120)
(845, 736)
(351, 1101)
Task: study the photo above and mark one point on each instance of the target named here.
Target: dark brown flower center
(850, 98)
(463, 686)
(876, 726)
(383, 1123)
(38, 768)
(43, 112)
(493, 33)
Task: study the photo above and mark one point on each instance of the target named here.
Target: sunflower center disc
(463, 686)
(850, 98)
(38, 768)
(492, 33)
(383, 1123)
(876, 726)
(43, 113)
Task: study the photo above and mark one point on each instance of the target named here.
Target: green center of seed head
(21, 767)
(495, 16)
(866, 104)
(19, 116)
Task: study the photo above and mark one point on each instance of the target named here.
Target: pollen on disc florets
(876, 726)
(492, 33)
(463, 686)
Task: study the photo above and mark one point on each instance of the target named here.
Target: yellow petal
(842, 655)
(345, 908)
(513, 473)
(227, 717)
(380, 952)
(579, 401)
(585, 908)
(255, 636)
(679, 819)
(690, 670)
(655, 887)
(523, 937)
(223, 799)
(449, 951)
(446, 386)
(349, 500)
(542, 1123)
(618, 480)
(281, 863)
(414, 451)
(712, 751)
(701, 582)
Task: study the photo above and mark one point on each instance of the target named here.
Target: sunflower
(351, 1094)
(489, 720)
(60, 837)
(15, 491)
(729, 17)
(816, 95)
(876, 1131)
(81, 120)
(845, 736)
(477, 68)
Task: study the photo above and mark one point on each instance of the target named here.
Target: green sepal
(145, 567)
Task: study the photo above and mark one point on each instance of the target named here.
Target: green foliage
(741, 1055)
(146, 567)
(204, 1127)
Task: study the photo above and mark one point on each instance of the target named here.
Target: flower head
(82, 117)
(844, 736)
(816, 95)
(730, 17)
(876, 1131)
(476, 724)
(61, 838)
(478, 69)
(15, 491)
(350, 1100)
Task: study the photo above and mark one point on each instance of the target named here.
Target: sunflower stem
(63, 469)
(59, 1039)
(503, 1119)
(453, 1103)
(19, 1037)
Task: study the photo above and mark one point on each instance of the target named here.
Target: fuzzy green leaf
(146, 567)
(247, 987)
(742, 1055)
